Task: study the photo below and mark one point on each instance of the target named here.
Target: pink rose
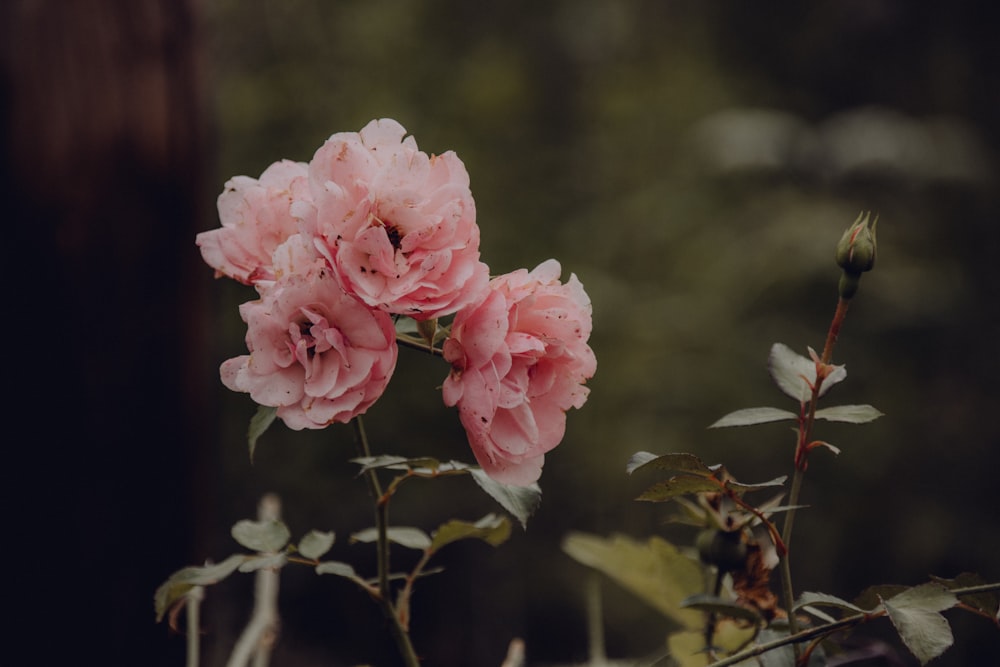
(519, 361)
(256, 219)
(316, 353)
(399, 227)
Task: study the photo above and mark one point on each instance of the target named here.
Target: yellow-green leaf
(655, 571)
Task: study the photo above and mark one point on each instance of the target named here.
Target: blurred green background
(694, 164)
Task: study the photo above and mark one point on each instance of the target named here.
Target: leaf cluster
(270, 542)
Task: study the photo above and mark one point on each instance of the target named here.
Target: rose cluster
(372, 229)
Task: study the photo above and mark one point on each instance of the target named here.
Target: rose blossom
(519, 361)
(399, 227)
(316, 353)
(256, 219)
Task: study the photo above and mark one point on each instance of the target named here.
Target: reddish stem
(834, 332)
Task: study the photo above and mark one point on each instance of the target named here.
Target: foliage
(373, 246)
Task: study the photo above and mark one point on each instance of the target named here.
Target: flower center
(305, 335)
(395, 238)
(391, 231)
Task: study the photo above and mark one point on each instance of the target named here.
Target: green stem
(423, 346)
(396, 628)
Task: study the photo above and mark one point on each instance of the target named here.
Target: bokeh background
(694, 163)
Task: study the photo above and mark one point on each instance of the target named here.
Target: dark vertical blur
(104, 159)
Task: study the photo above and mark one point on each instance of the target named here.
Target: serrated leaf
(183, 580)
(986, 602)
(492, 529)
(678, 485)
(850, 414)
(871, 598)
(677, 462)
(825, 600)
(520, 501)
(404, 536)
(266, 536)
(655, 571)
(915, 613)
(268, 561)
(795, 374)
(259, 423)
(315, 543)
(751, 416)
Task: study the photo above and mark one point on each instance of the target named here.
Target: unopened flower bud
(856, 249)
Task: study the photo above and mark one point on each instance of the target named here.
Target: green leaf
(986, 602)
(743, 488)
(825, 600)
(404, 536)
(916, 615)
(871, 597)
(264, 562)
(492, 529)
(678, 462)
(654, 571)
(266, 536)
(851, 414)
(259, 423)
(794, 374)
(751, 416)
(395, 462)
(722, 607)
(344, 570)
(678, 485)
(520, 501)
(338, 568)
(183, 580)
(638, 460)
(437, 468)
(315, 543)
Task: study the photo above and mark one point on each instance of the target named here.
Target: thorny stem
(796, 638)
(396, 628)
(806, 422)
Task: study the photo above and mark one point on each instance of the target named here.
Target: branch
(829, 628)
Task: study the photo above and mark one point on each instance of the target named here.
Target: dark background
(694, 163)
